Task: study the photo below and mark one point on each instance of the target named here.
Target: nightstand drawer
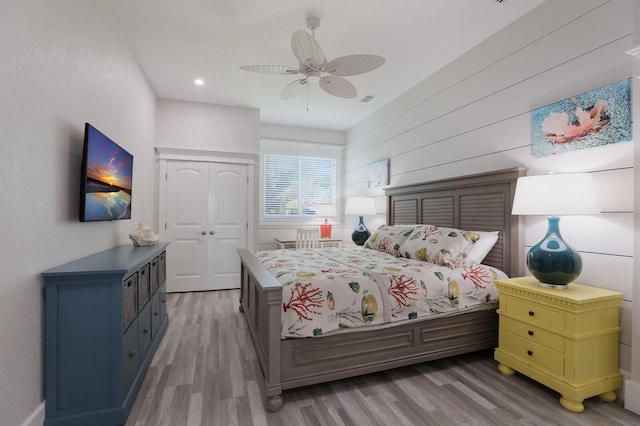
(535, 314)
(534, 334)
(534, 354)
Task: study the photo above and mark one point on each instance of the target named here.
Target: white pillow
(482, 246)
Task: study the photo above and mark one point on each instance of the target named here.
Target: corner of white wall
(632, 396)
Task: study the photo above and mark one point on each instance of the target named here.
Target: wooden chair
(307, 238)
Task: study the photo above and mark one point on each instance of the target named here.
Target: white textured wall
(475, 116)
(61, 63)
(200, 126)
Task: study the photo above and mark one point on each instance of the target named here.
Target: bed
(475, 202)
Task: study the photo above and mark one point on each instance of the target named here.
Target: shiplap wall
(474, 116)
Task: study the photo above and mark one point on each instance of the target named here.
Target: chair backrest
(307, 238)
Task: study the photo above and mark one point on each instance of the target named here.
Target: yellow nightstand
(564, 339)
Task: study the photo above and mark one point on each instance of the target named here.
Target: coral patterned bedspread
(330, 290)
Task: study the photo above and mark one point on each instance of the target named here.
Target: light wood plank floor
(204, 373)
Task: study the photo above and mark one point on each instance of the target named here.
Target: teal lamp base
(552, 261)
(361, 233)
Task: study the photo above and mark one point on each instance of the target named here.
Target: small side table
(324, 242)
(564, 339)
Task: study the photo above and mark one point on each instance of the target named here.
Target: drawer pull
(530, 332)
(531, 313)
(156, 314)
(529, 352)
(145, 330)
(132, 353)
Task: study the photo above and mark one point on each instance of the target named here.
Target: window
(293, 184)
(295, 176)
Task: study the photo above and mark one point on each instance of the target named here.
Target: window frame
(298, 149)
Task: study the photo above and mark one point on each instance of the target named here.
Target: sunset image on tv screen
(109, 172)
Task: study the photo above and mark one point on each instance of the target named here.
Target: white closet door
(187, 216)
(206, 223)
(227, 222)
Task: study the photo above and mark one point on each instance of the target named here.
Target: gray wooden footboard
(291, 363)
(261, 302)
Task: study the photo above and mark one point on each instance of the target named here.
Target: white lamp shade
(555, 195)
(326, 210)
(360, 206)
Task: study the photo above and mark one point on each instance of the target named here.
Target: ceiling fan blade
(294, 88)
(354, 64)
(270, 69)
(307, 49)
(337, 86)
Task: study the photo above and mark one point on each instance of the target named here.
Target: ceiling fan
(314, 66)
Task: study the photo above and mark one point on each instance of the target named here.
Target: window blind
(293, 185)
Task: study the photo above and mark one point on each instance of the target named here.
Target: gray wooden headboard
(480, 202)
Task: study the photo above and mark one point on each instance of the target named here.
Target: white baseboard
(632, 396)
(36, 418)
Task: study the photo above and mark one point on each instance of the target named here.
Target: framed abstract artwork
(379, 174)
(599, 117)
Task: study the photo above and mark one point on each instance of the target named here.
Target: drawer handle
(531, 313)
(145, 330)
(530, 332)
(132, 353)
(156, 314)
(529, 352)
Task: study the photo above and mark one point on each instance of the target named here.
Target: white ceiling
(178, 41)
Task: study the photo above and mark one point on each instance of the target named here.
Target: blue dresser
(105, 317)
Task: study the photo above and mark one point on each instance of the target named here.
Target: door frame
(164, 155)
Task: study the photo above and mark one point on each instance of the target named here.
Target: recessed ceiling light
(198, 82)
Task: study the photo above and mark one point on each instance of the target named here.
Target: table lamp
(360, 206)
(553, 261)
(326, 210)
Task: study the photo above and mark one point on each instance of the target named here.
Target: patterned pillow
(442, 246)
(389, 238)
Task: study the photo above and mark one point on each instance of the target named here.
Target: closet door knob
(211, 232)
(204, 232)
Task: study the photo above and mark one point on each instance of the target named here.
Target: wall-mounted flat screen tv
(107, 171)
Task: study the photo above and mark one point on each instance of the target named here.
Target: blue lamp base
(361, 233)
(552, 261)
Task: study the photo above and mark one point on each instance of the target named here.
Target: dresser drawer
(533, 353)
(144, 331)
(534, 334)
(534, 313)
(129, 301)
(130, 357)
(143, 286)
